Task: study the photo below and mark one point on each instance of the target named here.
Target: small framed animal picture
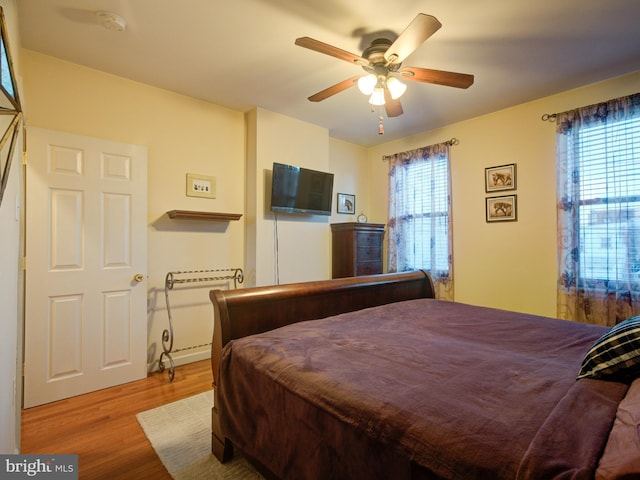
(502, 209)
(500, 178)
(346, 203)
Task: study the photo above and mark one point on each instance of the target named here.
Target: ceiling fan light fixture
(367, 83)
(377, 97)
(396, 87)
(382, 63)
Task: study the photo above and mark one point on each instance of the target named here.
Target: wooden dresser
(356, 249)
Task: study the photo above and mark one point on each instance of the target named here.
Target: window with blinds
(425, 215)
(609, 201)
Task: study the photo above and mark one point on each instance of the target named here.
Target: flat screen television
(301, 190)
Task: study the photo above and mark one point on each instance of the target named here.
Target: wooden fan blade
(327, 49)
(391, 106)
(426, 75)
(332, 90)
(420, 28)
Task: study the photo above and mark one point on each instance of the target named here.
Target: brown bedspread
(422, 388)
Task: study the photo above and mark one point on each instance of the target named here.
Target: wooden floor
(101, 427)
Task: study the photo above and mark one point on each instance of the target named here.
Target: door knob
(138, 277)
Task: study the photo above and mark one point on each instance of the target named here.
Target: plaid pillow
(616, 354)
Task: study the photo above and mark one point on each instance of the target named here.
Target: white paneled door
(86, 309)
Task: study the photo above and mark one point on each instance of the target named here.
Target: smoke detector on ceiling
(111, 21)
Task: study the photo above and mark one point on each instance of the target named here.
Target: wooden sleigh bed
(371, 377)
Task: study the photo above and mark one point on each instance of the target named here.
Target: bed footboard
(239, 313)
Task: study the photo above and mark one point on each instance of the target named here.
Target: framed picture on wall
(502, 209)
(499, 178)
(346, 203)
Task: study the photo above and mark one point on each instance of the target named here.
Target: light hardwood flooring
(101, 427)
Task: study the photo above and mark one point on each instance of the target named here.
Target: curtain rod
(452, 142)
(549, 117)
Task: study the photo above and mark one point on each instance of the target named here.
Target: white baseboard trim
(180, 359)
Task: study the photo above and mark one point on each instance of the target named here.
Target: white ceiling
(241, 54)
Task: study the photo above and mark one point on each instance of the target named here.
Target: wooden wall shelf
(211, 216)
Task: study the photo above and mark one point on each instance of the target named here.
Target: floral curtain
(419, 227)
(598, 211)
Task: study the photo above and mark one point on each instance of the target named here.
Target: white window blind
(609, 201)
(424, 211)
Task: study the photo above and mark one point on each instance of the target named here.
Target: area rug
(180, 433)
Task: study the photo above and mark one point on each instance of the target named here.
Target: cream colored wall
(303, 241)
(509, 265)
(183, 135)
(302, 247)
(350, 165)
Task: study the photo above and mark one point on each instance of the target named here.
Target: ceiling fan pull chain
(380, 126)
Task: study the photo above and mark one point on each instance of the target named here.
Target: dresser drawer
(368, 268)
(364, 239)
(367, 254)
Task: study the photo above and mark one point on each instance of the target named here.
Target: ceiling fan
(382, 61)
